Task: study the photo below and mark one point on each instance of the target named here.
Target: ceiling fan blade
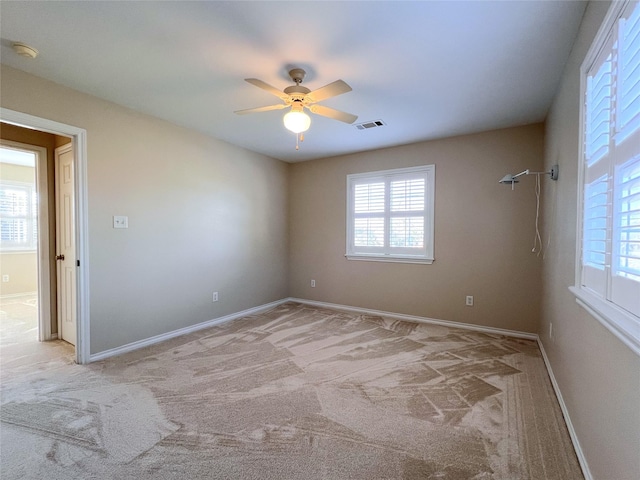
(268, 88)
(333, 113)
(279, 106)
(333, 89)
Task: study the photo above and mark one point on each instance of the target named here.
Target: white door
(65, 244)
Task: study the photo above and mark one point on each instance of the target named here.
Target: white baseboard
(129, 347)
(217, 321)
(565, 412)
(413, 318)
(18, 295)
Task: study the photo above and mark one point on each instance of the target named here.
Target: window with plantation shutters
(390, 215)
(608, 279)
(18, 217)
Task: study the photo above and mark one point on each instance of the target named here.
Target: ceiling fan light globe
(297, 122)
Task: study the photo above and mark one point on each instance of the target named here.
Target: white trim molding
(565, 413)
(130, 347)
(617, 321)
(388, 258)
(413, 318)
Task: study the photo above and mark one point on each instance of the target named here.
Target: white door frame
(43, 252)
(79, 138)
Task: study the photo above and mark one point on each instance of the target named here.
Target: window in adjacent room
(18, 200)
(608, 278)
(390, 215)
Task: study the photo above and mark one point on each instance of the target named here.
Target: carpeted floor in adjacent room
(297, 392)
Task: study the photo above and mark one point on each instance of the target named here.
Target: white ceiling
(427, 69)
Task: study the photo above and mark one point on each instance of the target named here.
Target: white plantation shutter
(625, 280)
(597, 191)
(18, 217)
(369, 201)
(597, 148)
(407, 215)
(594, 238)
(369, 197)
(627, 221)
(390, 215)
(610, 262)
(369, 232)
(629, 77)
(599, 102)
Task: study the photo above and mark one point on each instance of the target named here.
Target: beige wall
(21, 267)
(17, 173)
(483, 233)
(203, 216)
(598, 376)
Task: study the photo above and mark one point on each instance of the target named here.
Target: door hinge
(77, 263)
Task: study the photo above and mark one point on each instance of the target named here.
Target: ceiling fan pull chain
(297, 139)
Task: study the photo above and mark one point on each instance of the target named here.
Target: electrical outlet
(313, 283)
(215, 296)
(469, 301)
(5, 278)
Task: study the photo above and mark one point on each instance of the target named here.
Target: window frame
(401, 255)
(622, 323)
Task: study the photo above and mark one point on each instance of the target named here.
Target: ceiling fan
(298, 98)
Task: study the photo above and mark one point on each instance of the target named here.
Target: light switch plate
(120, 221)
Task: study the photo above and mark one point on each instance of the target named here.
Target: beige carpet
(18, 319)
(295, 393)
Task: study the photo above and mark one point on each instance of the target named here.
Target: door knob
(60, 257)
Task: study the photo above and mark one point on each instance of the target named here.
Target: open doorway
(63, 153)
(19, 317)
(29, 287)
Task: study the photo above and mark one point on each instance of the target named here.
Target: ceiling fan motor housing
(296, 90)
(297, 75)
(297, 93)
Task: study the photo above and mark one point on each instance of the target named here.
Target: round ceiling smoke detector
(25, 50)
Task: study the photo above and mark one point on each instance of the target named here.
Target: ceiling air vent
(371, 124)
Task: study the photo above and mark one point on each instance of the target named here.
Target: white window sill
(619, 322)
(389, 258)
(17, 251)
